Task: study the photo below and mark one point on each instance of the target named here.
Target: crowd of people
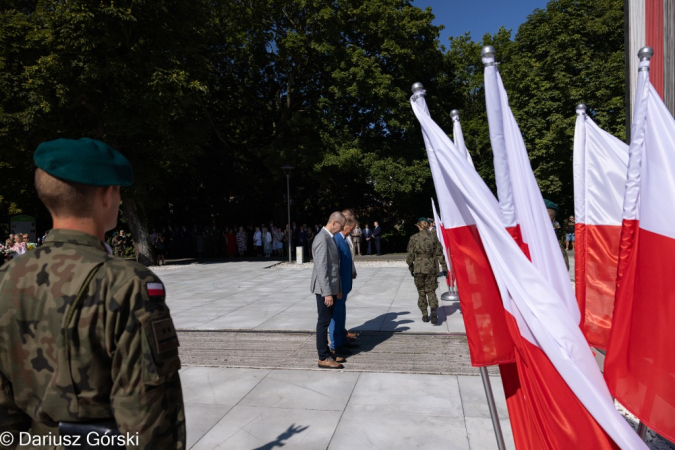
(16, 245)
(262, 241)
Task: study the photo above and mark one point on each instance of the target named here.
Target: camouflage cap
(551, 205)
(85, 161)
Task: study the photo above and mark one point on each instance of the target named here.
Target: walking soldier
(424, 254)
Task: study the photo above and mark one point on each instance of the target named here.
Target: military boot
(434, 317)
(425, 318)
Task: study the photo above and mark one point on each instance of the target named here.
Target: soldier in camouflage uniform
(85, 336)
(424, 254)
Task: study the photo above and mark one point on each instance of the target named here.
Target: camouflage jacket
(425, 253)
(118, 358)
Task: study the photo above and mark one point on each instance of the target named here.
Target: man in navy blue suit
(339, 341)
(368, 236)
(377, 231)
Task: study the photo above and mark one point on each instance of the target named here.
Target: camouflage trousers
(426, 284)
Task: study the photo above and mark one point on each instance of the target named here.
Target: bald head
(335, 222)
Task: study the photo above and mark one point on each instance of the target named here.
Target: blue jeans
(337, 330)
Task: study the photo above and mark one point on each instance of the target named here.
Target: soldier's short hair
(348, 213)
(64, 198)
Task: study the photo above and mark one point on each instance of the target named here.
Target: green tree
(568, 53)
(123, 72)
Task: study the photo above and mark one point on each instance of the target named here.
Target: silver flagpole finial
(488, 52)
(454, 114)
(416, 87)
(581, 109)
(645, 53)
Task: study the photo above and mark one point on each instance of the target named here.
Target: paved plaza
(264, 409)
(241, 295)
(301, 406)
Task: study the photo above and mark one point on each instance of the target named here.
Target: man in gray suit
(326, 284)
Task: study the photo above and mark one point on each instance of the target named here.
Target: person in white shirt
(257, 242)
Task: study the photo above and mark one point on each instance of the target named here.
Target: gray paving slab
(473, 397)
(481, 434)
(219, 386)
(200, 418)
(293, 389)
(428, 395)
(393, 431)
(260, 428)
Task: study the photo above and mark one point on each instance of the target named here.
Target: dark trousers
(377, 245)
(325, 315)
(370, 243)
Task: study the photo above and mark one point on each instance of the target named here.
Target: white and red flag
(458, 136)
(600, 165)
(487, 333)
(450, 278)
(567, 401)
(541, 315)
(640, 363)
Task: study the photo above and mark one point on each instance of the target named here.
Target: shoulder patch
(165, 335)
(155, 290)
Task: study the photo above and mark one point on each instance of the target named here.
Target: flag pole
(493, 408)
(645, 54)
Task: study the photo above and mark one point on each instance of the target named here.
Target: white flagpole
(645, 54)
(418, 89)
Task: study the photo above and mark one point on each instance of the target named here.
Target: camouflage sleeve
(12, 419)
(146, 396)
(439, 254)
(410, 259)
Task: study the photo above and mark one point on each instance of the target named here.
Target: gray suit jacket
(326, 272)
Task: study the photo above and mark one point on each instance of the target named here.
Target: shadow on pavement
(370, 339)
(279, 442)
(448, 310)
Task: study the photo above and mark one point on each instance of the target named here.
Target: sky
(479, 16)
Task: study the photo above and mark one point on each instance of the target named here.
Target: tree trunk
(139, 232)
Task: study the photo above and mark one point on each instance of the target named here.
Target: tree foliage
(209, 99)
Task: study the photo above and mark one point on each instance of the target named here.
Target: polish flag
(484, 320)
(539, 312)
(567, 402)
(458, 136)
(155, 289)
(450, 278)
(600, 165)
(640, 363)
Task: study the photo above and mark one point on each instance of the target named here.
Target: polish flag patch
(155, 289)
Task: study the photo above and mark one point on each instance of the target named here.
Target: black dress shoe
(341, 351)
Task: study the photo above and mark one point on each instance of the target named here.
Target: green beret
(84, 161)
(422, 219)
(551, 205)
